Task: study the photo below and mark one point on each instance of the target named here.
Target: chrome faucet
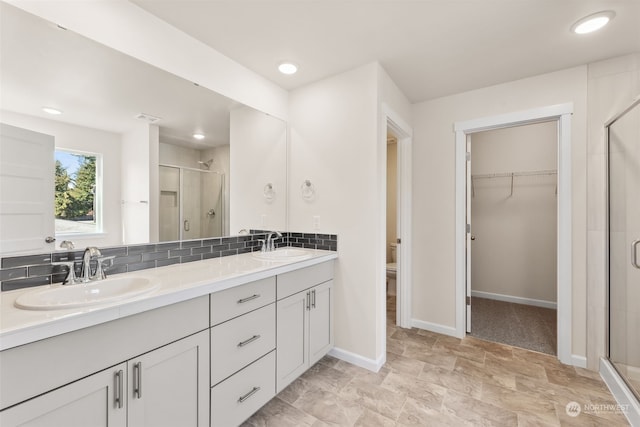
(270, 246)
(89, 254)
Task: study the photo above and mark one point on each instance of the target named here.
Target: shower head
(206, 164)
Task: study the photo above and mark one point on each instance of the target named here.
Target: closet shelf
(514, 174)
(511, 175)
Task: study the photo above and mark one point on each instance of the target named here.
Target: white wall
(333, 144)
(258, 156)
(80, 138)
(337, 144)
(434, 184)
(177, 155)
(515, 247)
(123, 26)
(140, 185)
(612, 86)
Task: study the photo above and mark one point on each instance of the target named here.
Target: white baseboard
(516, 300)
(434, 327)
(621, 392)
(579, 361)
(356, 359)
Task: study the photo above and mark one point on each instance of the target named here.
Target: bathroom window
(78, 192)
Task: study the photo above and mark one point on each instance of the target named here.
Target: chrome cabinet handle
(137, 380)
(634, 253)
(313, 298)
(250, 340)
(308, 300)
(247, 299)
(253, 391)
(117, 389)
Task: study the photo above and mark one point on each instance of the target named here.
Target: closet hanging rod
(514, 174)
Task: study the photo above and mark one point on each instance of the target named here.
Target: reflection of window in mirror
(78, 193)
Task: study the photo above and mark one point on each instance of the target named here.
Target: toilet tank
(393, 247)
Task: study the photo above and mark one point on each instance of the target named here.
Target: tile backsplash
(35, 270)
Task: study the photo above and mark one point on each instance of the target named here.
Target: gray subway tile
(151, 256)
(179, 252)
(191, 258)
(141, 266)
(13, 273)
(10, 285)
(20, 261)
(165, 262)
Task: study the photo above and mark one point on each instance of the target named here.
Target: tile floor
(436, 380)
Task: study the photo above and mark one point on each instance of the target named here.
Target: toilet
(391, 270)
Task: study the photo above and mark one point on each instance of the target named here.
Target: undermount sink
(60, 297)
(283, 255)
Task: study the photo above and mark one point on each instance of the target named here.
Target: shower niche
(192, 204)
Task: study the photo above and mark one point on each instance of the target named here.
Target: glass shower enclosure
(623, 145)
(191, 203)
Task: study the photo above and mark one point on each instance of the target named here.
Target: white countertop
(176, 283)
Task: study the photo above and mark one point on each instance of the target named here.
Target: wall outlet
(316, 222)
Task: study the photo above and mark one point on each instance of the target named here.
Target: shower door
(202, 204)
(624, 245)
(191, 204)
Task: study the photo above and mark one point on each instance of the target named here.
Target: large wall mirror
(172, 160)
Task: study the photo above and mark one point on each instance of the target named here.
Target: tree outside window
(75, 193)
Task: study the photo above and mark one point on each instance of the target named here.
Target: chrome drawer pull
(247, 299)
(248, 395)
(137, 379)
(634, 253)
(118, 389)
(250, 340)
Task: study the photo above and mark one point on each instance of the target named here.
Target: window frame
(98, 196)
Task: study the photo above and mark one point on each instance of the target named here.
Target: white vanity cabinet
(86, 402)
(166, 387)
(212, 360)
(62, 381)
(160, 388)
(243, 342)
(305, 320)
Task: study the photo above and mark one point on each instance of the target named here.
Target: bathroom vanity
(210, 345)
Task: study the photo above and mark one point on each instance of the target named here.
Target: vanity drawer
(242, 299)
(237, 398)
(299, 280)
(238, 342)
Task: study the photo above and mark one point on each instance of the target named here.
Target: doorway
(561, 115)
(400, 133)
(513, 215)
(392, 228)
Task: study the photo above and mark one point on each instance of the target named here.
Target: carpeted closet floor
(519, 325)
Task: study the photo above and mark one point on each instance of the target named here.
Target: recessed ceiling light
(51, 110)
(593, 22)
(287, 68)
(198, 136)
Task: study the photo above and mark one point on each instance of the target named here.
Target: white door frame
(390, 119)
(561, 113)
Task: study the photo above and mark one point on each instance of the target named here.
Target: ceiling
(98, 87)
(430, 48)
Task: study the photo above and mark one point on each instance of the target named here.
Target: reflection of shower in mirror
(207, 164)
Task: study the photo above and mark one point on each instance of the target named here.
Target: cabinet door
(97, 400)
(170, 386)
(320, 321)
(292, 338)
